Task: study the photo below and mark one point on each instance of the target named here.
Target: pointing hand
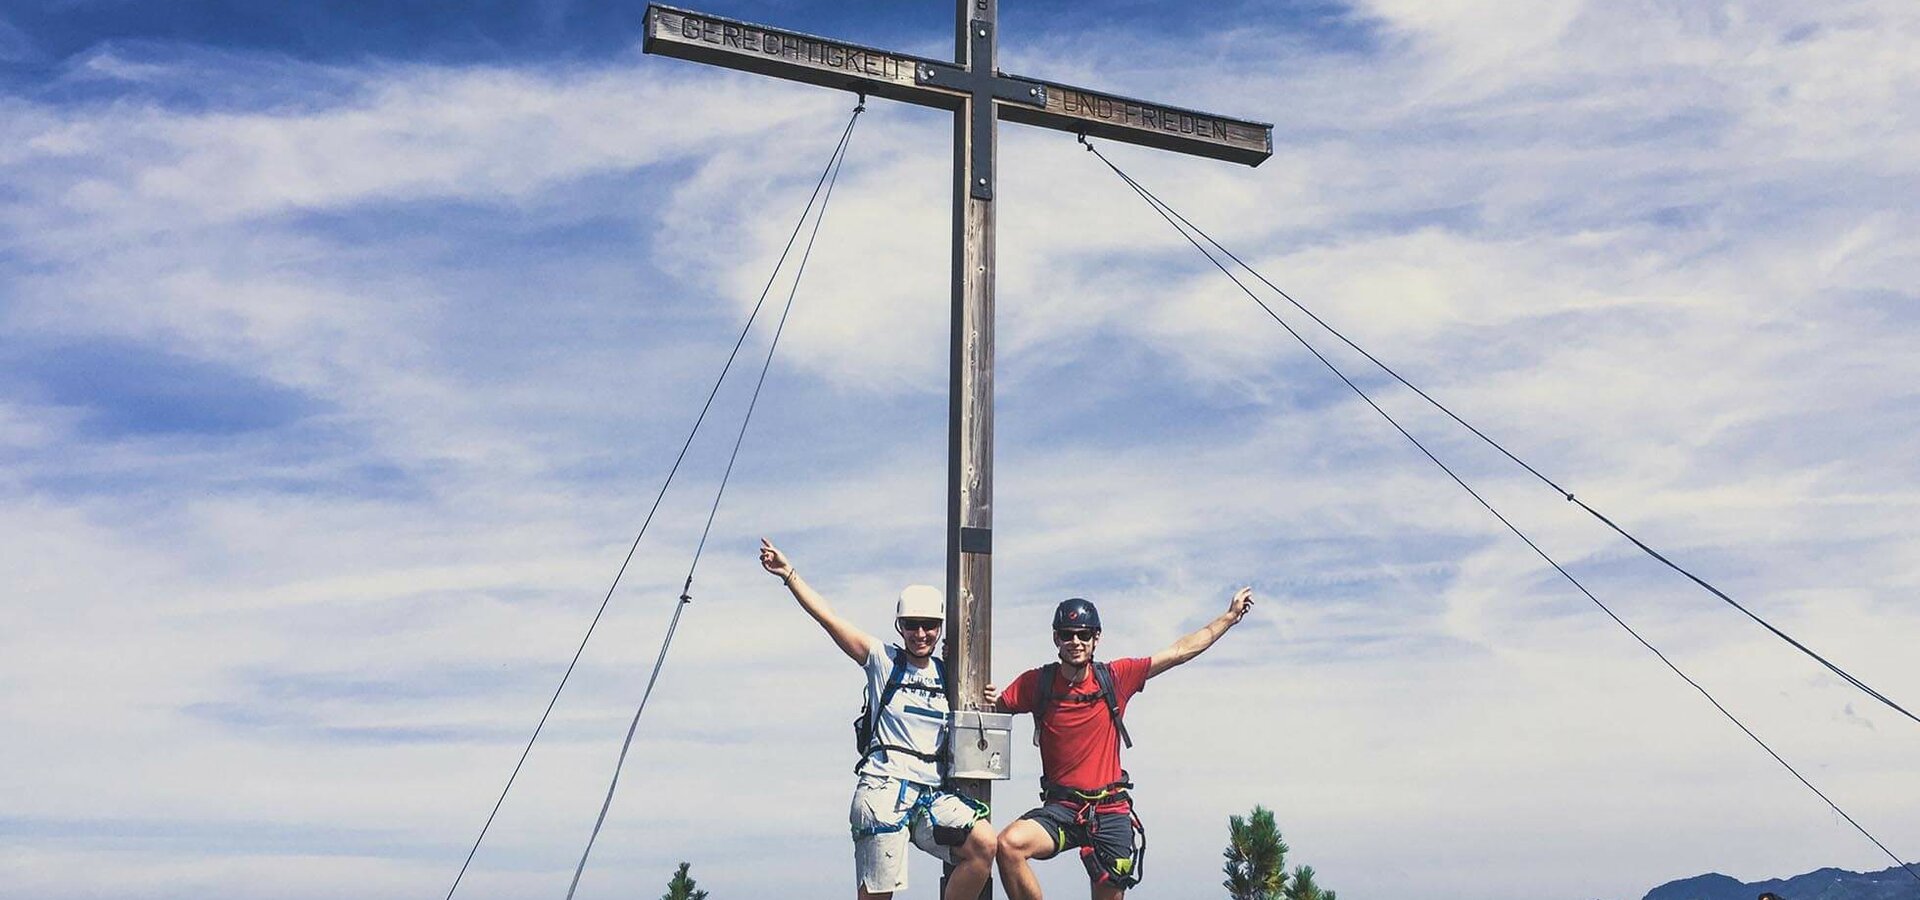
(774, 561)
(1242, 602)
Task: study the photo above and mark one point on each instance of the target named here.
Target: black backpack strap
(1048, 673)
(1103, 676)
(894, 679)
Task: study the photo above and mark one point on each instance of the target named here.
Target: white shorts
(904, 809)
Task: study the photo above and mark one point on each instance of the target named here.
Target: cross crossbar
(796, 56)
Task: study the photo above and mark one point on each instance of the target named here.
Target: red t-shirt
(1079, 747)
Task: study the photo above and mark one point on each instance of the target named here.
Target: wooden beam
(795, 56)
(970, 400)
(1133, 121)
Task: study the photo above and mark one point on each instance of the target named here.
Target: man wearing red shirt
(1077, 722)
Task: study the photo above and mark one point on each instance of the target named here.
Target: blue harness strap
(922, 806)
(922, 803)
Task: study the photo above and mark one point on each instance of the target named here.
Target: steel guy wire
(1166, 212)
(671, 472)
(686, 595)
(1496, 445)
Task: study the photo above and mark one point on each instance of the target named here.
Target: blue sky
(346, 345)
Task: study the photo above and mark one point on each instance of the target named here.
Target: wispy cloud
(333, 393)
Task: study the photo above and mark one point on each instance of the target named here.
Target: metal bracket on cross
(983, 84)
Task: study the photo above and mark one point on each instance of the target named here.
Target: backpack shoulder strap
(1048, 673)
(894, 679)
(1103, 676)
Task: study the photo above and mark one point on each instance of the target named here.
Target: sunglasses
(1083, 635)
(919, 625)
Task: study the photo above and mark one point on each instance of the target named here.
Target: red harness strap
(1088, 816)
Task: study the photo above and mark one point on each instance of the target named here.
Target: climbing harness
(1102, 863)
(922, 805)
(1102, 679)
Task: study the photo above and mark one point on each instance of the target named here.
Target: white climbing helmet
(921, 601)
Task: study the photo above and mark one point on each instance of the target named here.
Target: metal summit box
(982, 744)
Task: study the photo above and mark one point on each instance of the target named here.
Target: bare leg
(869, 895)
(972, 863)
(1105, 891)
(1022, 841)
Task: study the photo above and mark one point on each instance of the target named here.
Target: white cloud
(1655, 250)
(404, 133)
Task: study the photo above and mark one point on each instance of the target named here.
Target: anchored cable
(686, 589)
(1496, 445)
(1174, 219)
(655, 508)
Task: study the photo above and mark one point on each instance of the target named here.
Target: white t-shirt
(916, 717)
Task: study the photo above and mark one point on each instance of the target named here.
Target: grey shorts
(887, 812)
(1103, 832)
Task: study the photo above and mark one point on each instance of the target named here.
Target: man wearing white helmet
(902, 743)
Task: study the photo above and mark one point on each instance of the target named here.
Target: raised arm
(1196, 643)
(857, 644)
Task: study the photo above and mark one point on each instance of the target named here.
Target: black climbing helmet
(1076, 613)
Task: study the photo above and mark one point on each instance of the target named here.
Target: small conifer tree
(1303, 888)
(682, 887)
(1256, 857)
(1257, 862)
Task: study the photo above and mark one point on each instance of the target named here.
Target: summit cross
(979, 94)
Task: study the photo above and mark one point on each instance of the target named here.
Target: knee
(1004, 855)
(982, 843)
(1010, 852)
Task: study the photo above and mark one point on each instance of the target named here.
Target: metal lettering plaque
(1139, 122)
(790, 55)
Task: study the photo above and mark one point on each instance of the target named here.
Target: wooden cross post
(979, 94)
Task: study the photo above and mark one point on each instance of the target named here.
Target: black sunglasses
(920, 624)
(1083, 635)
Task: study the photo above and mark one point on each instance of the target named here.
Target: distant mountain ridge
(1819, 884)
